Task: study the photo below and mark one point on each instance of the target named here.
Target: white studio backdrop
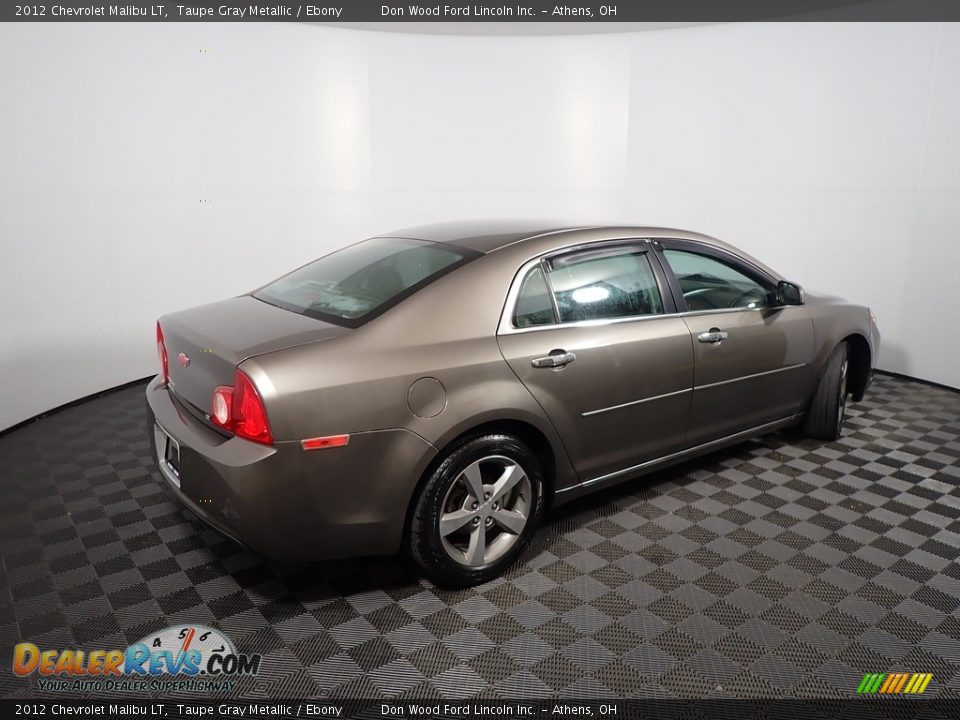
(147, 168)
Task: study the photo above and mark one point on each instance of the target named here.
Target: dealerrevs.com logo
(179, 658)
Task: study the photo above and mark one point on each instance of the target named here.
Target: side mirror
(789, 294)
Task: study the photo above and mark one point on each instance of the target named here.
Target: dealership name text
(492, 708)
(490, 11)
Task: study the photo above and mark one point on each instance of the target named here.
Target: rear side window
(589, 285)
(602, 284)
(534, 305)
(355, 284)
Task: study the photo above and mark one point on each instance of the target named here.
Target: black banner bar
(899, 707)
(457, 11)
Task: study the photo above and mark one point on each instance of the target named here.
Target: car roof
(481, 235)
(486, 236)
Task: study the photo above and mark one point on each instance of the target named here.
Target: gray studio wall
(147, 168)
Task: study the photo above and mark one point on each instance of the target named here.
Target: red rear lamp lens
(240, 410)
(249, 414)
(162, 353)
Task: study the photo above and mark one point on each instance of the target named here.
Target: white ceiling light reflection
(593, 112)
(341, 132)
(591, 294)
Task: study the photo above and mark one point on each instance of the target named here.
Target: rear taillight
(240, 410)
(162, 353)
(249, 415)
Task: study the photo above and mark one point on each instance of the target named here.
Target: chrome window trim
(723, 311)
(585, 323)
(507, 327)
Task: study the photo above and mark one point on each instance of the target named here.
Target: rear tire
(824, 417)
(477, 511)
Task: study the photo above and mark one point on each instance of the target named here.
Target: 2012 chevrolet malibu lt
(434, 389)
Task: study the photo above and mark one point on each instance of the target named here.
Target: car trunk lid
(205, 344)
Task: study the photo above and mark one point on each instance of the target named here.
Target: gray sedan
(434, 389)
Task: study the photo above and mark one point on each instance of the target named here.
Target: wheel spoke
(474, 505)
(510, 520)
(512, 474)
(452, 521)
(474, 480)
(842, 401)
(477, 549)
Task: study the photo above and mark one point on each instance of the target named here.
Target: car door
(593, 334)
(751, 355)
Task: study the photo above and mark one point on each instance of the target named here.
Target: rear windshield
(353, 285)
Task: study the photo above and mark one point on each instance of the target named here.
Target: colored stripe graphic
(871, 683)
(887, 683)
(914, 682)
(894, 683)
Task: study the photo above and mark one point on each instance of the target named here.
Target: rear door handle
(713, 335)
(555, 359)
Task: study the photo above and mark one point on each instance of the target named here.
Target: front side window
(711, 284)
(352, 285)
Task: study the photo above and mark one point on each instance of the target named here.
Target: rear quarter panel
(362, 381)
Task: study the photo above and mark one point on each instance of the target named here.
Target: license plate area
(168, 454)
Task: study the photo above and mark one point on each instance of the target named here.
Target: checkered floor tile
(781, 567)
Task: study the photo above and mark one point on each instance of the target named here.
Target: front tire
(824, 417)
(477, 511)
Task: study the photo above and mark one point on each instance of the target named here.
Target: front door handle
(556, 359)
(713, 335)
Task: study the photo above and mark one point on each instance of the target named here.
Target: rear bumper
(285, 503)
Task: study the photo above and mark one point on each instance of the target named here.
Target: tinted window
(360, 281)
(711, 284)
(534, 306)
(604, 284)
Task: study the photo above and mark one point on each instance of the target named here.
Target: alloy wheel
(485, 510)
(842, 403)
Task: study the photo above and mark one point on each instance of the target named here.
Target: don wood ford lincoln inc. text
(473, 11)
